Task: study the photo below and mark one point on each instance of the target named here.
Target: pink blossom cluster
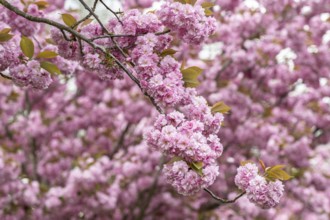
(187, 181)
(24, 73)
(259, 191)
(18, 23)
(8, 52)
(191, 136)
(134, 3)
(190, 22)
(159, 77)
(30, 74)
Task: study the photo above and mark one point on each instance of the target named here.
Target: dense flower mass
(190, 22)
(30, 74)
(191, 136)
(114, 111)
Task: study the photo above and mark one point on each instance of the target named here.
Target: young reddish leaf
(190, 76)
(47, 54)
(183, 64)
(262, 164)
(41, 4)
(243, 163)
(27, 46)
(220, 107)
(69, 20)
(50, 67)
(86, 22)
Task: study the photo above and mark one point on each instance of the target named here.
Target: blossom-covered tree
(156, 112)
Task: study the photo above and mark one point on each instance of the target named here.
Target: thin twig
(87, 16)
(224, 67)
(128, 35)
(221, 200)
(120, 141)
(94, 15)
(113, 12)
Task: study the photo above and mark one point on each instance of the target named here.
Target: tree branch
(221, 200)
(5, 76)
(120, 141)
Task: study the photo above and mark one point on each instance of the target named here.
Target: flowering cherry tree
(193, 110)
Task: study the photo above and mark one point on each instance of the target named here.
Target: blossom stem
(221, 200)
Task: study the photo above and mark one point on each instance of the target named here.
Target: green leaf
(207, 5)
(50, 67)
(220, 107)
(191, 2)
(181, 1)
(277, 173)
(4, 35)
(243, 163)
(190, 76)
(198, 165)
(166, 52)
(27, 46)
(174, 159)
(69, 20)
(208, 12)
(47, 54)
(5, 31)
